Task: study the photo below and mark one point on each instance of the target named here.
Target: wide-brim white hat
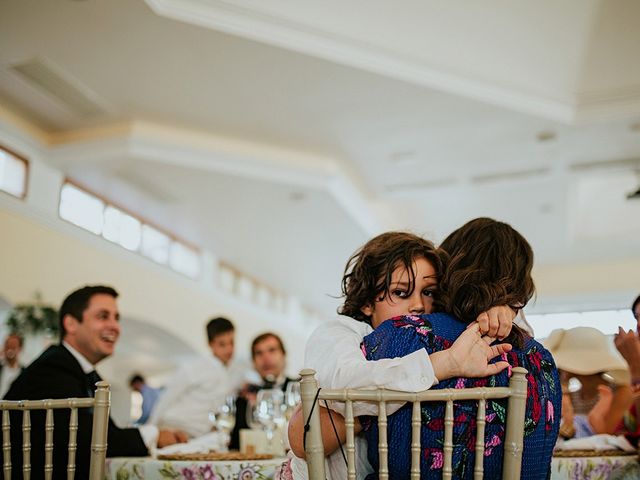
(584, 351)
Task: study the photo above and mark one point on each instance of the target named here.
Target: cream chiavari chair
(516, 392)
(100, 405)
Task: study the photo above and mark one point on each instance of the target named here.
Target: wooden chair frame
(100, 404)
(516, 392)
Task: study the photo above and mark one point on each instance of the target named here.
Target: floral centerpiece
(33, 318)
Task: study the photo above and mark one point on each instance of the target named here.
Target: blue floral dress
(403, 335)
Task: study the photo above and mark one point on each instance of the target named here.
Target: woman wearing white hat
(602, 395)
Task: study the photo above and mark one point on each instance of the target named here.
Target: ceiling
(281, 135)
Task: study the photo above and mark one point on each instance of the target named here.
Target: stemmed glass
(223, 417)
(268, 411)
(292, 398)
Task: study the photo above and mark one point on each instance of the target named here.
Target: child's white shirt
(333, 351)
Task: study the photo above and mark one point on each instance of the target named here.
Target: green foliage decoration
(31, 318)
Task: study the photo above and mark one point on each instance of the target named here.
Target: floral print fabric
(150, 469)
(403, 335)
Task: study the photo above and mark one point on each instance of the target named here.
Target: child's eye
(400, 293)
(428, 293)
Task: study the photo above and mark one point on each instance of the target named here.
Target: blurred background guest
(269, 360)
(149, 395)
(628, 344)
(10, 366)
(201, 386)
(594, 381)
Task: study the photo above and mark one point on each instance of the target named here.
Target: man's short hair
(76, 303)
(634, 305)
(262, 338)
(17, 335)
(218, 326)
(136, 378)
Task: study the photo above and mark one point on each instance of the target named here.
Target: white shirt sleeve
(175, 387)
(333, 351)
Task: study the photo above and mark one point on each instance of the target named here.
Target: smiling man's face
(96, 335)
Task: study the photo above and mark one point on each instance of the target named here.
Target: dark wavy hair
(634, 305)
(367, 275)
(489, 264)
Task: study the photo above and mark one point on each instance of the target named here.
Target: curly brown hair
(489, 264)
(367, 275)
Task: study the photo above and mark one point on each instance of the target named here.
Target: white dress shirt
(333, 351)
(193, 391)
(149, 433)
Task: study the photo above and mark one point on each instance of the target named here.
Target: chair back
(516, 392)
(100, 404)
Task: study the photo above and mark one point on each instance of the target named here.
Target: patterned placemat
(215, 456)
(592, 453)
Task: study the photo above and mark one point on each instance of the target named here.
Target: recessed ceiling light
(297, 196)
(406, 157)
(546, 136)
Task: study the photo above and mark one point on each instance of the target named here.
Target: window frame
(27, 172)
(143, 221)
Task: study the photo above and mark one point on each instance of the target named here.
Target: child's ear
(367, 310)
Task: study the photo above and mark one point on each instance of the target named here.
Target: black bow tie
(92, 379)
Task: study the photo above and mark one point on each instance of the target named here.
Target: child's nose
(417, 306)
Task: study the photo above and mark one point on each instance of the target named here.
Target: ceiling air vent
(634, 195)
(56, 83)
(509, 176)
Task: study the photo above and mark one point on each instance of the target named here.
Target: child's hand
(628, 344)
(600, 410)
(469, 356)
(497, 321)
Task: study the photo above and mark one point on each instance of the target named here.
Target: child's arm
(468, 356)
(330, 441)
(333, 351)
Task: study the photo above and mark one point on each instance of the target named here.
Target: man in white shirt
(10, 366)
(90, 328)
(201, 386)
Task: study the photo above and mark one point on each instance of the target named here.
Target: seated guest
(202, 385)
(269, 360)
(628, 344)
(590, 398)
(89, 326)
(490, 263)
(10, 367)
(149, 396)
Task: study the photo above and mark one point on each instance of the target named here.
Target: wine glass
(268, 410)
(292, 398)
(223, 417)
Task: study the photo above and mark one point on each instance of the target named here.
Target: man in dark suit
(89, 326)
(269, 359)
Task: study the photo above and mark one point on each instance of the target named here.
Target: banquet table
(148, 468)
(593, 467)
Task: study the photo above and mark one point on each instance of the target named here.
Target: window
(184, 259)
(13, 173)
(81, 208)
(155, 244)
(122, 228)
(88, 211)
